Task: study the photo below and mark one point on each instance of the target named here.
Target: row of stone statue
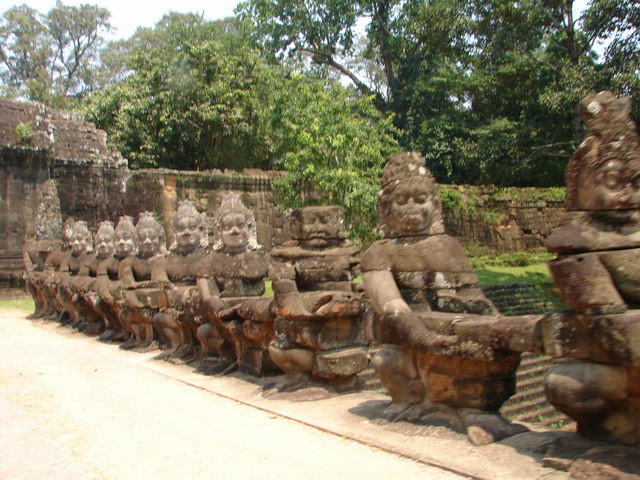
(440, 343)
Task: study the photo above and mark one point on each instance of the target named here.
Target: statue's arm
(384, 294)
(285, 290)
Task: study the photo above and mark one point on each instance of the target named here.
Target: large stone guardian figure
(108, 286)
(73, 265)
(430, 315)
(318, 333)
(231, 282)
(596, 379)
(141, 296)
(37, 248)
(176, 275)
(87, 300)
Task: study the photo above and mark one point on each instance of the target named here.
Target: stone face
(176, 274)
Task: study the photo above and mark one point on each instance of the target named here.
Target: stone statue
(37, 248)
(599, 238)
(72, 265)
(231, 282)
(597, 272)
(84, 282)
(176, 275)
(108, 286)
(411, 277)
(51, 276)
(318, 331)
(142, 297)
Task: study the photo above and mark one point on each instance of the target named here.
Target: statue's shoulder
(377, 256)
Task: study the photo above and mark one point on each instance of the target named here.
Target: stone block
(342, 363)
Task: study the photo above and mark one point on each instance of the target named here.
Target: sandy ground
(74, 408)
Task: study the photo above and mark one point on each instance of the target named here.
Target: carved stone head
(235, 226)
(409, 202)
(125, 237)
(105, 240)
(318, 226)
(81, 242)
(189, 229)
(604, 172)
(150, 236)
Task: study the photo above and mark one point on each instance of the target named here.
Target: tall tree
(51, 58)
(25, 52)
(486, 89)
(332, 145)
(193, 98)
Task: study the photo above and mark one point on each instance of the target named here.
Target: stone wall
(95, 184)
(502, 219)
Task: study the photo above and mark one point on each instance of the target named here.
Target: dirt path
(73, 408)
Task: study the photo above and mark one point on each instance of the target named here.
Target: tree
(193, 98)
(486, 89)
(198, 95)
(616, 24)
(332, 146)
(51, 58)
(25, 52)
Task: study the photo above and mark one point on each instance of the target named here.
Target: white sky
(128, 15)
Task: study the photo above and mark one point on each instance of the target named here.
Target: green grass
(536, 274)
(268, 289)
(24, 304)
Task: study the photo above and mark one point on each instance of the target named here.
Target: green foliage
(486, 90)
(197, 96)
(480, 259)
(51, 58)
(536, 274)
(550, 194)
(333, 147)
(450, 198)
(492, 217)
(24, 132)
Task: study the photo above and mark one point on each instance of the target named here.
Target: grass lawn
(24, 304)
(536, 274)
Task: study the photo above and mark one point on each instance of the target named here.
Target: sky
(128, 15)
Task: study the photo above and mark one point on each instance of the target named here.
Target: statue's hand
(213, 307)
(395, 306)
(337, 303)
